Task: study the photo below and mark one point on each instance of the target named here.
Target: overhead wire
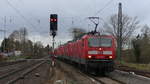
(99, 11)
(18, 12)
(25, 19)
(22, 16)
(107, 4)
(36, 19)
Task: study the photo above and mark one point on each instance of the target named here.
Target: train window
(100, 42)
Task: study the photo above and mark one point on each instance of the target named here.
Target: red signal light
(55, 20)
(51, 20)
(53, 23)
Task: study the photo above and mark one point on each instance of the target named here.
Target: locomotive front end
(101, 53)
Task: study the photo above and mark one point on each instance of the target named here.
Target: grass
(137, 66)
(13, 58)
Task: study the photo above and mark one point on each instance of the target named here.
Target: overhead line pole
(119, 36)
(4, 30)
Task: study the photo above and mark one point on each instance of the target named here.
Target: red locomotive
(93, 53)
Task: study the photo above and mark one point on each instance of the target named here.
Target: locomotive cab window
(100, 42)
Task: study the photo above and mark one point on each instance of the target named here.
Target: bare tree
(137, 49)
(19, 35)
(145, 30)
(145, 43)
(15, 35)
(129, 25)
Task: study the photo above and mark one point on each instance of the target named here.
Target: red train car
(93, 53)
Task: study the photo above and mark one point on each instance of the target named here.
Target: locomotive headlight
(89, 56)
(107, 52)
(110, 57)
(93, 52)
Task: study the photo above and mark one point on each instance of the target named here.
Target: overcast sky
(34, 15)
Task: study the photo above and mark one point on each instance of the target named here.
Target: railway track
(6, 76)
(11, 67)
(17, 71)
(101, 80)
(96, 79)
(4, 64)
(106, 80)
(25, 72)
(133, 70)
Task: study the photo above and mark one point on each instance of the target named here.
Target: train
(93, 53)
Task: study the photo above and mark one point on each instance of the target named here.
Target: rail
(25, 73)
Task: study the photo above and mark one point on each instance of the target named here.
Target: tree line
(18, 41)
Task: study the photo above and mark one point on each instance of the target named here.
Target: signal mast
(53, 32)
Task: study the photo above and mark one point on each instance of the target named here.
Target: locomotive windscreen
(100, 42)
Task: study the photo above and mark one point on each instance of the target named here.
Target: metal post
(53, 57)
(119, 36)
(24, 40)
(72, 21)
(4, 40)
(53, 43)
(4, 33)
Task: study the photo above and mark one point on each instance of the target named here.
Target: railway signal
(53, 32)
(53, 22)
